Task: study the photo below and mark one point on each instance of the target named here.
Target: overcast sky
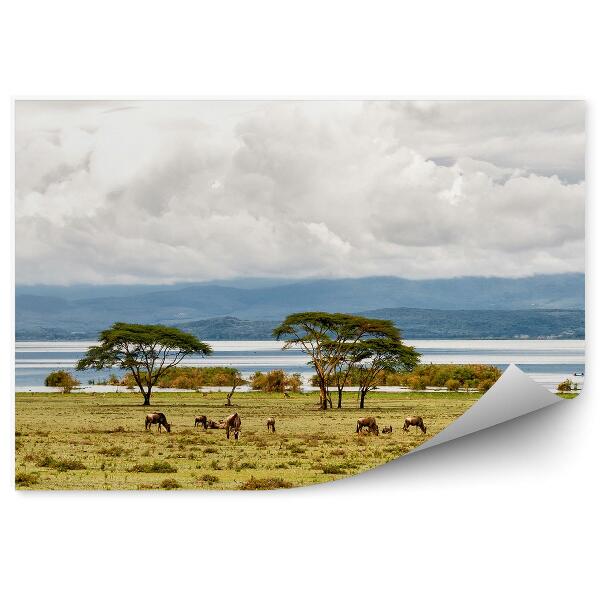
(158, 192)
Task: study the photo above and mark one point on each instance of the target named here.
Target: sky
(181, 191)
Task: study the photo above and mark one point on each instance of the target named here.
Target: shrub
(192, 378)
(485, 385)
(276, 381)
(452, 385)
(62, 464)
(333, 470)
(565, 386)
(209, 478)
(169, 484)
(62, 379)
(26, 479)
(415, 382)
(272, 483)
(156, 467)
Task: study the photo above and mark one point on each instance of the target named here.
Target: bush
(272, 483)
(62, 379)
(485, 385)
(155, 467)
(333, 470)
(452, 385)
(276, 381)
(416, 383)
(61, 464)
(26, 479)
(565, 386)
(192, 378)
(209, 478)
(169, 484)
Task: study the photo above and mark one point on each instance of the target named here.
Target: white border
(510, 512)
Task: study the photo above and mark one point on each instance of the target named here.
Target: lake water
(547, 361)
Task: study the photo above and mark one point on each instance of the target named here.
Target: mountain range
(471, 307)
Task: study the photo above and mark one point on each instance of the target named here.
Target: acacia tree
(147, 351)
(375, 356)
(237, 380)
(328, 339)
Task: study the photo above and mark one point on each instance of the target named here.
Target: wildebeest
(271, 424)
(201, 420)
(416, 422)
(232, 422)
(156, 417)
(368, 422)
(210, 424)
(387, 429)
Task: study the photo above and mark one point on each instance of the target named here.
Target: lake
(547, 361)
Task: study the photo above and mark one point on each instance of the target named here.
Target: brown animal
(231, 423)
(387, 429)
(200, 421)
(153, 418)
(369, 422)
(210, 424)
(271, 424)
(416, 422)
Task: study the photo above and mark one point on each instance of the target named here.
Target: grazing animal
(369, 422)
(271, 424)
(200, 420)
(387, 429)
(153, 418)
(416, 422)
(231, 423)
(210, 424)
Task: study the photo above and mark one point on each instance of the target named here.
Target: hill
(68, 314)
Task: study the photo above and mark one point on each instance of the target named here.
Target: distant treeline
(452, 377)
(192, 378)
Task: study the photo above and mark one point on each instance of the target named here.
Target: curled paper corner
(513, 395)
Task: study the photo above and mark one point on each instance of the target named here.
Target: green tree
(565, 386)
(276, 381)
(62, 379)
(237, 380)
(376, 356)
(147, 351)
(328, 339)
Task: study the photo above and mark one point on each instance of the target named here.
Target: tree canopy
(147, 351)
(330, 338)
(375, 356)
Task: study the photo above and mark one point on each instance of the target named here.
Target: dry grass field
(98, 442)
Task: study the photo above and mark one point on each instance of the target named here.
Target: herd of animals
(233, 423)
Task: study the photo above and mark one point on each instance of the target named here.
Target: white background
(510, 512)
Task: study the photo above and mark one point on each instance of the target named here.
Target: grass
(98, 441)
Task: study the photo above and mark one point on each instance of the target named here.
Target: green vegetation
(567, 386)
(62, 379)
(147, 351)
(191, 378)
(452, 377)
(98, 441)
(335, 343)
(276, 381)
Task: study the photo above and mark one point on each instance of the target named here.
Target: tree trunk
(146, 398)
(324, 398)
(363, 393)
(340, 394)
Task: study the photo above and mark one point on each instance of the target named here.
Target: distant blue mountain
(84, 310)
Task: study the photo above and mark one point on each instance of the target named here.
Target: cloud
(176, 191)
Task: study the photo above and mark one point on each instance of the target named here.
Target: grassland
(97, 441)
